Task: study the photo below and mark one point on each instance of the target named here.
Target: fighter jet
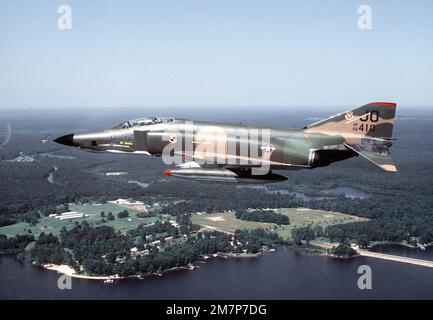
(207, 151)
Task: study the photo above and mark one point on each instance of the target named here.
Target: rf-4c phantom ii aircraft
(246, 154)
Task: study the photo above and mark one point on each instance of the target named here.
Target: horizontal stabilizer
(377, 154)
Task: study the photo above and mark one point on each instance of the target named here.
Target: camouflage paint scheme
(217, 150)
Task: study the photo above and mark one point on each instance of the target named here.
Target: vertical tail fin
(375, 120)
(366, 130)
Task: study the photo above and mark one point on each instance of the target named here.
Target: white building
(127, 202)
(70, 215)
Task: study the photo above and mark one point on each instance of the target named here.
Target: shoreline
(69, 271)
(323, 251)
(407, 245)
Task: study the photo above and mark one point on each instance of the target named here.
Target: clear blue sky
(215, 53)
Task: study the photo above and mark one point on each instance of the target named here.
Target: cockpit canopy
(142, 122)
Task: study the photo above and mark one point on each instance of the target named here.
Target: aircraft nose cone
(67, 140)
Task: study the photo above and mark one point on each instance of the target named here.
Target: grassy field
(51, 225)
(298, 217)
(226, 222)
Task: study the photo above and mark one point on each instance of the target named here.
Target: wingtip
(388, 104)
(389, 167)
(167, 172)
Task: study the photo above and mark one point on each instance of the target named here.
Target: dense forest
(262, 216)
(102, 251)
(15, 244)
(253, 240)
(343, 250)
(307, 234)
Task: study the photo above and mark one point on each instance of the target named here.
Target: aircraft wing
(377, 154)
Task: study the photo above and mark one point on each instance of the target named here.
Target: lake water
(348, 192)
(284, 274)
(139, 183)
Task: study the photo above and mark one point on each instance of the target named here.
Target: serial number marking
(237, 309)
(364, 127)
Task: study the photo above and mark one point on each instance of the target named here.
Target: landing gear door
(140, 140)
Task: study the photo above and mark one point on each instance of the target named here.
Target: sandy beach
(67, 270)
